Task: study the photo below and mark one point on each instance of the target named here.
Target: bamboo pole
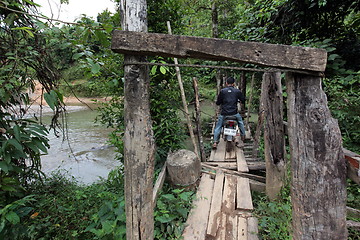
(183, 98)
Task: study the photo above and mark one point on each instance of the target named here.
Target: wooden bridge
(223, 205)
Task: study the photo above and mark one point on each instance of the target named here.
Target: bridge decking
(223, 206)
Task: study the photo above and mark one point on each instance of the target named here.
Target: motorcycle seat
(230, 118)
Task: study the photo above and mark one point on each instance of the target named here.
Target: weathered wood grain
(274, 138)
(198, 218)
(242, 229)
(139, 144)
(184, 167)
(318, 167)
(219, 153)
(271, 55)
(252, 228)
(241, 174)
(231, 156)
(228, 207)
(215, 210)
(159, 183)
(353, 164)
(243, 194)
(227, 165)
(241, 162)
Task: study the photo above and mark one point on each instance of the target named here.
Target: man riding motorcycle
(228, 99)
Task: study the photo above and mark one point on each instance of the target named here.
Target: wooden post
(139, 146)
(318, 167)
(242, 87)
(198, 120)
(183, 98)
(274, 139)
(261, 115)
(250, 101)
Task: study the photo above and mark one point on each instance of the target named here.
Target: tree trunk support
(139, 146)
(318, 166)
(274, 140)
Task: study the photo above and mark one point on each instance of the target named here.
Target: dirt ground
(37, 99)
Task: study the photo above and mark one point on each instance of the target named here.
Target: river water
(85, 154)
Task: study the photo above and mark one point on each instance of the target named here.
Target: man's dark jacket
(228, 99)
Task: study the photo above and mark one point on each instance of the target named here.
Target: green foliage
(353, 200)
(344, 103)
(172, 209)
(24, 56)
(61, 208)
(161, 11)
(22, 143)
(110, 220)
(274, 216)
(353, 197)
(11, 214)
(164, 105)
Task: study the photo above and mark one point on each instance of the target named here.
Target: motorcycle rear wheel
(229, 146)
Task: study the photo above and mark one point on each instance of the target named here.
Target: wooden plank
(242, 229)
(219, 154)
(212, 154)
(215, 210)
(252, 228)
(228, 207)
(159, 183)
(241, 162)
(353, 165)
(227, 165)
(257, 186)
(231, 226)
(231, 156)
(271, 55)
(221, 231)
(256, 165)
(241, 174)
(248, 133)
(243, 195)
(198, 217)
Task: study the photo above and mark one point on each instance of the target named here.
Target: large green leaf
(50, 100)
(95, 68)
(15, 143)
(17, 132)
(12, 217)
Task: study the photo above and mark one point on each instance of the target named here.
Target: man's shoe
(214, 146)
(243, 138)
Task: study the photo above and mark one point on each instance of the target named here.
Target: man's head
(230, 81)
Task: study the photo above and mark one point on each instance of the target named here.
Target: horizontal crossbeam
(263, 54)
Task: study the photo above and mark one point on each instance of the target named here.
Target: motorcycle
(229, 132)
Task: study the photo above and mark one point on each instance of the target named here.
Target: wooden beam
(353, 165)
(241, 174)
(264, 54)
